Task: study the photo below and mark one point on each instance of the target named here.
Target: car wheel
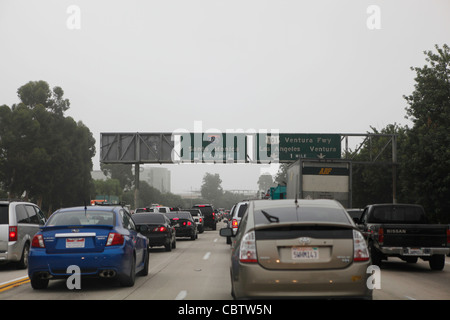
(128, 280)
(144, 272)
(375, 255)
(437, 262)
(174, 243)
(23, 263)
(168, 245)
(38, 283)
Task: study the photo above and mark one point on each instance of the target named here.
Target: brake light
(38, 241)
(187, 223)
(380, 236)
(13, 233)
(115, 239)
(234, 224)
(247, 252)
(360, 251)
(160, 229)
(200, 220)
(448, 236)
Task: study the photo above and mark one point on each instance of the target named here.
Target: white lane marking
(206, 256)
(215, 240)
(181, 295)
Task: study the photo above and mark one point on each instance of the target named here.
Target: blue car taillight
(38, 241)
(115, 239)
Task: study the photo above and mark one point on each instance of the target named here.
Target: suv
(208, 215)
(235, 217)
(198, 218)
(19, 221)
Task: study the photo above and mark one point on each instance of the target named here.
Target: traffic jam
(278, 249)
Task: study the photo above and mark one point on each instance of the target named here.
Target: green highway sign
(265, 147)
(293, 146)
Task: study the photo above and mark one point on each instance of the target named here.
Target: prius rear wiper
(270, 217)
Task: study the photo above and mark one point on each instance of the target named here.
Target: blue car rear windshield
(77, 218)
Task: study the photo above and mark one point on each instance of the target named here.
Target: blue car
(101, 241)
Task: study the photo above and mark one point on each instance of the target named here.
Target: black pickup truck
(401, 230)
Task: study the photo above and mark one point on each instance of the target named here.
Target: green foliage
(211, 188)
(265, 181)
(43, 155)
(423, 150)
(426, 177)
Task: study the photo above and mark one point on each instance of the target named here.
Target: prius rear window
(301, 214)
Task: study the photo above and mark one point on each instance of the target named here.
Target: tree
(372, 181)
(426, 175)
(44, 156)
(265, 181)
(281, 176)
(211, 188)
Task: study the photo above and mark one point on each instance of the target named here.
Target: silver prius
(298, 249)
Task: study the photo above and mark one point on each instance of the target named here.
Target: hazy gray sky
(330, 66)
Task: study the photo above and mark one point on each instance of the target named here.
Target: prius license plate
(75, 243)
(304, 253)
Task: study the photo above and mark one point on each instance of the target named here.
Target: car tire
(144, 272)
(375, 255)
(128, 280)
(437, 262)
(174, 243)
(169, 246)
(23, 263)
(38, 283)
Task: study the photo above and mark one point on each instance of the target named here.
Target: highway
(199, 270)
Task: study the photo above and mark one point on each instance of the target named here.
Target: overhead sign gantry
(216, 147)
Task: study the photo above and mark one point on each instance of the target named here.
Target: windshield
(85, 218)
(398, 214)
(148, 218)
(302, 214)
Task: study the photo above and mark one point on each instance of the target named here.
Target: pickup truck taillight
(380, 236)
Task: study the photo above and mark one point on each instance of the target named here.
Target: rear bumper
(155, 240)
(257, 282)
(185, 232)
(407, 252)
(90, 264)
(13, 252)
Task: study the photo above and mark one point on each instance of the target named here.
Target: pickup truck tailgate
(410, 235)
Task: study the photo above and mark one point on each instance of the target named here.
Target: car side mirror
(226, 232)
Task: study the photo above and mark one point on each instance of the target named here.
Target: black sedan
(184, 224)
(157, 228)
